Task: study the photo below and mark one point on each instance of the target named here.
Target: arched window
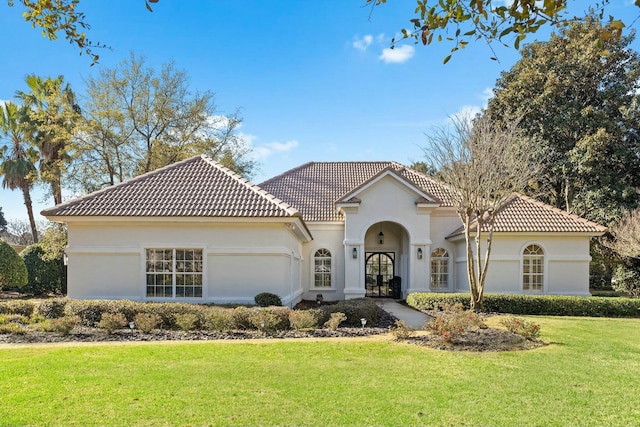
(322, 269)
(439, 269)
(532, 268)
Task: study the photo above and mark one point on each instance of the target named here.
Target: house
(194, 231)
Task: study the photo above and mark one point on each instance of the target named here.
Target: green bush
(266, 299)
(12, 328)
(23, 307)
(147, 322)
(335, 319)
(549, 305)
(51, 308)
(270, 319)
(240, 317)
(354, 309)
(626, 278)
(304, 320)
(187, 321)
(219, 319)
(112, 322)
(13, 272)
(90, 311)
(62, 325)
(44, 275)
(14, 318)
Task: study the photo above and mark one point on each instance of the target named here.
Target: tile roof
(314, 187)
(524, 214)
(195, 187)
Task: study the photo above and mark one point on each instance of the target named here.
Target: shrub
(529, 330)
(51, 308)
(62, 325)
(219, 319)
(13, 272)
(266, 299)
(335, 319)
(43, 275)
(302, 320)
(22, 307)
(240, 317)
(112, 322)
(90, 311)
(147, 322)
(453, 321)
(626, 278)
(402, 331)
(270, 319)
(14, 318)
(12, 328)
(550, 305)
(187, 321)
(355, 309)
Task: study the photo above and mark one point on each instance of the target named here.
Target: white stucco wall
(325, 236)
(107, 260)
(566, 264)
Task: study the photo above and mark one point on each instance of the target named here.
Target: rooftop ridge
(560, 211)
(253, 187)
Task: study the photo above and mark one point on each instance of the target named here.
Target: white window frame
(174, 273)
(524, 259)
(445, 262)
(331, 258)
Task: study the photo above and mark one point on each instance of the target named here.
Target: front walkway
(410, 316)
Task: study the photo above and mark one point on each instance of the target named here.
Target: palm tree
(52, 113)
(16, 161)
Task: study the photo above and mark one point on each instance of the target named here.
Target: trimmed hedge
(548, 305)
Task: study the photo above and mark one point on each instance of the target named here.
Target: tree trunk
(28, 204)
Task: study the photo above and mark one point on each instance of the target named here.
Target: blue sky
(314, 80)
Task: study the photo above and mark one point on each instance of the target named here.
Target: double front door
(379, 272)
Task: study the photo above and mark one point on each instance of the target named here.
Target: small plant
(304, 320)
(524, 328)
(266, 299)
(14, 318)
(335, 320)
(453, 321)
(402, 331)
(147, 322)
(240, 316)
(270, 319)
(62, 325)
(12, 328)
(51, 308)
(112, 322)
(219, 319)
(187, 321)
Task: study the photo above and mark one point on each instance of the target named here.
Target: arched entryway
(386, 244)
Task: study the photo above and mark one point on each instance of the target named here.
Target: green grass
(589, 376)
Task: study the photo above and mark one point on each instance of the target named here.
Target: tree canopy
(461, 21)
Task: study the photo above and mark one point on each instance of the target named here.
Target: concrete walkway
(410, 316)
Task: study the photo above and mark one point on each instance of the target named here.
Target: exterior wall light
(355, 253)
(419, 253)
(381, 238)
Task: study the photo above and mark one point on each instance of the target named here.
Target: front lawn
(587, 376)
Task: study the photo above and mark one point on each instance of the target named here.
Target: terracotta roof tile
(313, 188)
(522, 214)
(195, 187)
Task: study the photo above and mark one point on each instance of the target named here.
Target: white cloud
(399, 54)
(362, 43)
(265, 150)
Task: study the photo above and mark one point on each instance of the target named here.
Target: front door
(379, 271)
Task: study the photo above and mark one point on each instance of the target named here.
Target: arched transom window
(532, 268)
(439, 269)
(322, 269)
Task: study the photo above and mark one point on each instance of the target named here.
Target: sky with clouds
(314, 80)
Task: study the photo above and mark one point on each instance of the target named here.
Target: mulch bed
(480, 340)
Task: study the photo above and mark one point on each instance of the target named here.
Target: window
(174, 273)
(322, 269)
(532, 268)
(439, 269)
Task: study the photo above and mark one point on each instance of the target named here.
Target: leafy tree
(44, 275)
(13, 272)
(483, 165)
(52, 114)
(3, 222)
(626, 243)
(17, 159)
(63, 16)
(462, 21)
(137, 119)
(582, 109)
